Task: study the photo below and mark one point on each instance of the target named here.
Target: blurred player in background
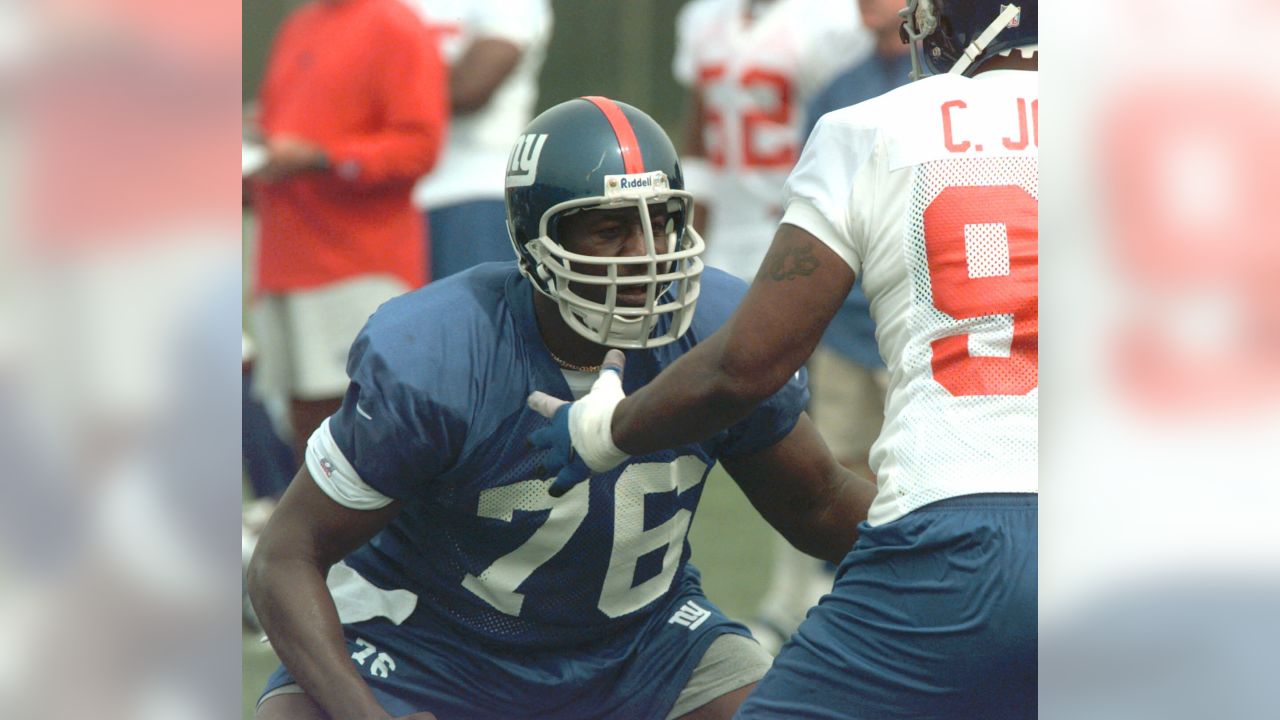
(751, 67)
(494, 49)
(353, 110)
(471, 586)
(931, 193)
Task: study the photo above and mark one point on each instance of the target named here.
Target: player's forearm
(808, 497)
(698, 396)
(298, 615)
(774, 330)
(399, 155)
(830, 528)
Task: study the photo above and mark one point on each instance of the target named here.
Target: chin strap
(981, 42)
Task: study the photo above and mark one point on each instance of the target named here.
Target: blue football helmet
(959, 36)
(594, 153)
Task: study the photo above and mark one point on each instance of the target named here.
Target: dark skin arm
(479, 72)
(800, 489)
(308, 533)
(773, 332)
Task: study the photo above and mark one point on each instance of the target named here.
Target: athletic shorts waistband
(985, 501)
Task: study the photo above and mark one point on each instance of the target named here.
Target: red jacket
(363, 80)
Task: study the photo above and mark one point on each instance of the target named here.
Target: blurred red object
(1191, 198)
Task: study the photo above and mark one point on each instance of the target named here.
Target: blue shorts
(466, 234)
(635, 675)
(932, 615)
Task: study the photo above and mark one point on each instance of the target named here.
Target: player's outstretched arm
(307, 534)
(800, 489)
(798, 289)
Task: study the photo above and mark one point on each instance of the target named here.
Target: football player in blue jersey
(422, 563)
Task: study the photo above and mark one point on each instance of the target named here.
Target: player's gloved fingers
(614, 360)
(556, 435)
(572, 474)
(557, 457)
(544, 404)
(543, 438)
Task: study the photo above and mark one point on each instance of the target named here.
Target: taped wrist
(591, 423)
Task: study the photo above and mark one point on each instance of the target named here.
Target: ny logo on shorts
(690, 615)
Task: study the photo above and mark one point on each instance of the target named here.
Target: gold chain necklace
(570, 366)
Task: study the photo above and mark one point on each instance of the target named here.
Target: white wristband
(591, 423)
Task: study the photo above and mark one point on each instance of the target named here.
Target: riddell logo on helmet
(522, 169)
(631, 185)
(640, 182)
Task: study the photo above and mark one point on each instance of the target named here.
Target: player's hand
(288, 156)
(579, 439)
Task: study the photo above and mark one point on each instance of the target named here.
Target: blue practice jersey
(436, 416)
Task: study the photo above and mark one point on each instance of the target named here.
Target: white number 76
(497, 584)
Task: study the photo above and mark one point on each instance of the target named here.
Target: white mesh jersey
(931, 194)
(756, 76)
(476, 150)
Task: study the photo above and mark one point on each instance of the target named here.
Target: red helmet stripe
(632, 160)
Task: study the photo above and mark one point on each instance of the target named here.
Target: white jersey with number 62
(931, 193)
(755, 75)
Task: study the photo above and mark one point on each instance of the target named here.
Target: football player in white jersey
(751, 66)
(930, 192)
(494, 49)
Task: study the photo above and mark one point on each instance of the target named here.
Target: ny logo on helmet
(523, 168)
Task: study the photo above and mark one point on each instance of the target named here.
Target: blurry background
(615, 48)
(121, 230)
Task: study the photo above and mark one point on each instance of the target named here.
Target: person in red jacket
(353, 109)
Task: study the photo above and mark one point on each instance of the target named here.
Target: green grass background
(731, 546)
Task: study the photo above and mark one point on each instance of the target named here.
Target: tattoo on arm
(794, 263)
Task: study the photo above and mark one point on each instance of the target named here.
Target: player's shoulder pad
(861, 125)
(428, 339)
